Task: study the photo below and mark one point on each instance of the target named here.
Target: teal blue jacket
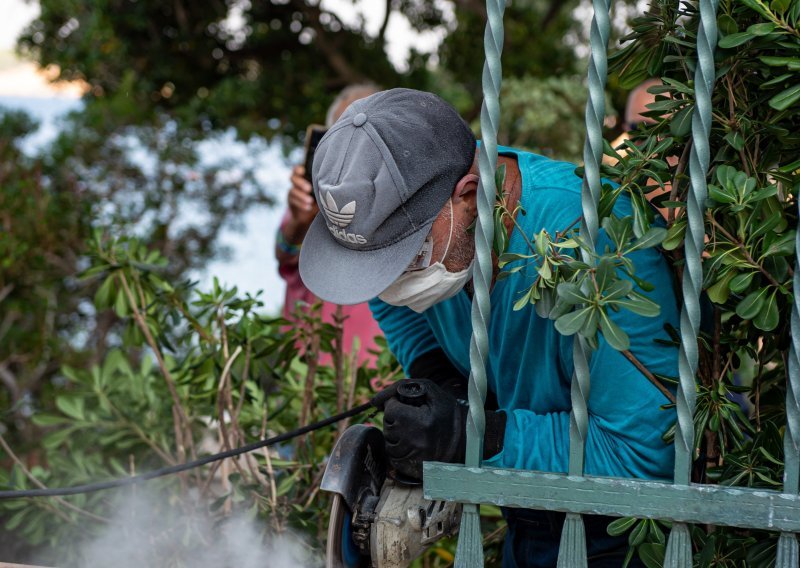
(530, 364)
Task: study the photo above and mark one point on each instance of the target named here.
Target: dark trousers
(533, 539)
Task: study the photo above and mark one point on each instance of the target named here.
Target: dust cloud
(148, 532)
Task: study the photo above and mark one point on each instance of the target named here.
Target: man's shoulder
(542, 172)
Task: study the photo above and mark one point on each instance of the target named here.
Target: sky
(16, 15)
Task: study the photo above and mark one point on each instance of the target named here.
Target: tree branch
(552, 12)
(382, 31)
(183, 422)
(41, 485)
(734, 241)
(329, 50)
(650, 376)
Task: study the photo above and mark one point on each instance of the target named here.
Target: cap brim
(341, 275)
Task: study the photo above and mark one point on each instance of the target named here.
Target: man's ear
(466, 190)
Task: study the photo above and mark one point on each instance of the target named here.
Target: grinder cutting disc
(341, 551)
(354, 474)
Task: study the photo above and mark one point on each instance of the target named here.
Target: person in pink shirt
(358, 320)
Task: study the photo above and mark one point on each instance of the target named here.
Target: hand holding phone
(314, 134)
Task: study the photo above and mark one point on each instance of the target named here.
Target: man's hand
(423, 422)
(302, 206)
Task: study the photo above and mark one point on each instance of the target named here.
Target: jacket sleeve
(288, 259)
(408, 333)
(625, 427)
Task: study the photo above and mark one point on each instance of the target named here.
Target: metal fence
(681, 502)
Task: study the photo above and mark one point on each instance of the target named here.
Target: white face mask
(420, 289)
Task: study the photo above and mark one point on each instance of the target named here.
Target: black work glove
(424, 422)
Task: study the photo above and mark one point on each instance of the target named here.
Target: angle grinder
(380, 519)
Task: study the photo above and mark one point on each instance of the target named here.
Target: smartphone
(314, 134)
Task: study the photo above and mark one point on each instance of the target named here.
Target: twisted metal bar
(787, 545)
(469, 552)
(679, 545)
(484, 233)
(699, 159)
(590, 223)
(572, 550)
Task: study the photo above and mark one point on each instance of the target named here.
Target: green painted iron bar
(702, 504)
(469, 551)
(788, 553)
(572, 549)
(590, 223)
(679, 545)
(692, 284)
(679, 553)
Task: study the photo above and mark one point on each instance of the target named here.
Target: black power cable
(377, 402)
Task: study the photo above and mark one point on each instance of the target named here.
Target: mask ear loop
(449, 236)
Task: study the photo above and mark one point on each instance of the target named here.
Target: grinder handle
(408, 391)
(412, 392)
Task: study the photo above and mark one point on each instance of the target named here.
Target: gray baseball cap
(381, 175)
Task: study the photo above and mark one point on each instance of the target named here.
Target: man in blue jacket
(396, 179)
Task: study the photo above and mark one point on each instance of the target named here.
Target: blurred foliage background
(112, 361)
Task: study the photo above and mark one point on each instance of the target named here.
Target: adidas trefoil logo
(341, 218)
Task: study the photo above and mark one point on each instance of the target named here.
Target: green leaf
(523, 301)
(735, 140)
(16, 519)
(675, 235)
(757, 7)
(613, 334)
(651, 238)
(500, 178)
(657, 533)
(785, 99)
(121, 304)
(720, 195)
(652, 554)
(71, 406)
(589, 328)
(762, 29)
(49, 420)
(639, 304)
(638, 534)
(727, 25)
(751, 306)
(720, 290)
(780, 6)
(621, 526)
(783, 246)
(681, 122)
(545, 271)
(767, 226)
(793, 63)
(776, 80)
(736, 39)
(618, 289)
(541, 240)
(741, 282)
(571, 293)
(570, 323)
(567, 243)
(545, 303)
(605, 272)
(768, 318)
(510, 257)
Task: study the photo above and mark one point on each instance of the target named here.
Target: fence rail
(703, 504)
